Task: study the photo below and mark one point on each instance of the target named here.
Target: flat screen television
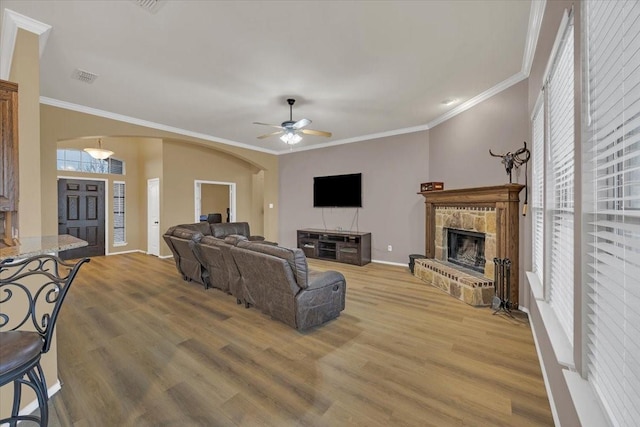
(337, 191)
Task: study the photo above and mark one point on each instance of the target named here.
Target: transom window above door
(69, 159)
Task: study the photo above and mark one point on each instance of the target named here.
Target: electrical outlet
(389, 248)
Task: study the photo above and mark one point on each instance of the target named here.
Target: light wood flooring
(138, 346)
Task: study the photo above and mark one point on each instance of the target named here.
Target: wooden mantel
(503, 198)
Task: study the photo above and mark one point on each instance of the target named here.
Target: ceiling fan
(289, 130)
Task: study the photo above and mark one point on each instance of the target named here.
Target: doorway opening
(215, 197)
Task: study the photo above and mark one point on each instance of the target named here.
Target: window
(79, 161)
(119, 236)
(559, 173)
(537, 188)
(611, 206)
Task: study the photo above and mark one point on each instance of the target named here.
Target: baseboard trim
(32, 406)
(126, 252)
(400, 264)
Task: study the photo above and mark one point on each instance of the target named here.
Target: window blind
(612, 206)
(537, 189)
(118, 213)
(560, 180)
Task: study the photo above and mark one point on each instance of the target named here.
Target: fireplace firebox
(466, 249)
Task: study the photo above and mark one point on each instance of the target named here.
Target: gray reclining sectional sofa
(258, 273)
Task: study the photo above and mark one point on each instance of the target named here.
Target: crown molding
(535, 22)
(145, 123)
(505, 84)
(360, 138)
(11, 22)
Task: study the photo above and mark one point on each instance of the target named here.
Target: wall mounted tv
(337, 191)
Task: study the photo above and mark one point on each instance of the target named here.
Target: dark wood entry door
(81, 214)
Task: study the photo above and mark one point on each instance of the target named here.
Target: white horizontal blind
(118, 213)
(560, 180)
(612, 206)
(537, 190)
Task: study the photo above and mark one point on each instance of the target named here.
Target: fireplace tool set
(502, 284)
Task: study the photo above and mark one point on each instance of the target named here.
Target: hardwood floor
(138, 346)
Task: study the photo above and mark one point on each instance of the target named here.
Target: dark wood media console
(341, 246)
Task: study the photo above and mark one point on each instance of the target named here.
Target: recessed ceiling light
(449, 101)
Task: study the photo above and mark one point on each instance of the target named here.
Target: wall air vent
(84, 76)
(151, 6)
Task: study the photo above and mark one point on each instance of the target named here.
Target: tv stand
(340, 246)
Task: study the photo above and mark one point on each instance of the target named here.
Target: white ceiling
(211, 68)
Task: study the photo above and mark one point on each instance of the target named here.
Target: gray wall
(455, 152)
(459, 147)
(392, 169)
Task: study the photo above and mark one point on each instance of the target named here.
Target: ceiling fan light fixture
(99, 153)
(290, 138)
(290, 131)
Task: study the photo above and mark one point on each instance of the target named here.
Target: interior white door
(153, 216)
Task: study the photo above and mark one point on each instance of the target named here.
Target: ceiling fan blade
(301, 123)
(316, 132)
(278, 132)
(267, 124)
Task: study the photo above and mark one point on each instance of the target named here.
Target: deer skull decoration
(517, 159)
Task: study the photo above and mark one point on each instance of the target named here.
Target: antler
(497, 155)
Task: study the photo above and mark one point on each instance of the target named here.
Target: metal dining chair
(32, 291)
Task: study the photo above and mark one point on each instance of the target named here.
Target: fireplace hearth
(466, 249)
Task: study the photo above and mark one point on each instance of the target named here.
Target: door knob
(155, 222)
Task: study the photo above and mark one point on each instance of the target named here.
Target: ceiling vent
(150, 6)
(84, 76)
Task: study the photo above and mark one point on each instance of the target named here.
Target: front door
(81, 214)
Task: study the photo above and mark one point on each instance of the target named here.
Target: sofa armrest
(322, 300)
(321, 279)
(256, 238)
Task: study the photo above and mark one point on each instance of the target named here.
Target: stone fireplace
(466, 224)
(465, 230)
(465, 249)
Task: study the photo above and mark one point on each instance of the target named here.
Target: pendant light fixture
(99, 153)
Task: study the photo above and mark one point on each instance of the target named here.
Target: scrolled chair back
(32, 291)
